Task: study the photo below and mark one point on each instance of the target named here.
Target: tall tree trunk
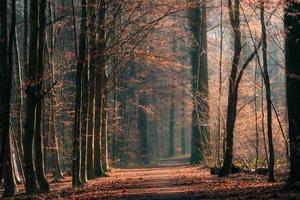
(38, 138)
(195, 22)
(19, 85)
(219, 120)
(79, 76)
(203, 108)
(256, 118)
(6, 68)
(183, 130)
(234, 14)
(101, 62)
(268, 92)
(143, 129)
(172, 128)
(92, 80)
(200, 133)
(55, 159)
(31, 100)
(104, 150)
(292, 25)
(84, 123)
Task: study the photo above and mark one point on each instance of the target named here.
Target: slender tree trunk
(183, 134)
(38, 145)
(101, 62)
(292, 25)
(31, 101)
(200, 132)
(268, 92)
(79, 76)
(172, 128)
(55, 158)
(234, 14)
(195, 22)
(84, 123)
(203, 108)
(92, 80)
(104, 150)
(6, 68)
(19, 85)
(143, 129)
(263, 122)
(219, 122)
(256, 119)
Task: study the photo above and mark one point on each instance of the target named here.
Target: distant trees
(292, 58)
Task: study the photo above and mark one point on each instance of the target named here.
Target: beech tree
(292, 26)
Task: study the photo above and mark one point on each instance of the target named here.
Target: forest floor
(171, 179)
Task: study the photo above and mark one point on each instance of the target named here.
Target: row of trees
(106, 79)
(103, 41)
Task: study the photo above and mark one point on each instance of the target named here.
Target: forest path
(173, 179)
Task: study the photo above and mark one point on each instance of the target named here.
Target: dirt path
(172, 179)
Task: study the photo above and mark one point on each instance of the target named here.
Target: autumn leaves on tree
(87, 85)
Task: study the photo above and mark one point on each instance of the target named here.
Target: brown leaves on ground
(170, 182)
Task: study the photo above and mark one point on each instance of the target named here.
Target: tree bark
(292, 25)
(38, 137)
(143, 129)
(101, 62)
(195, 23)
(92, 80)
(6, 68)
(171, 128)
(79, 76)
(200, 114)
(234, 14)
(31, 101)
(268, 92)
(104, 150)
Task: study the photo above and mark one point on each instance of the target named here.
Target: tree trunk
(203, 108)
(200, 115)
(104, 150)
(31, 101)
(234, 14)
(6, 68)
(84, 118)
(79, 76)
(219, 119)
(268, 92)
(92, 80)
(38, 145)
(143, 129)
(101, 62)
(292, 25)
(172, 128)
(52, 135)
(19, 85)
(195, 22)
